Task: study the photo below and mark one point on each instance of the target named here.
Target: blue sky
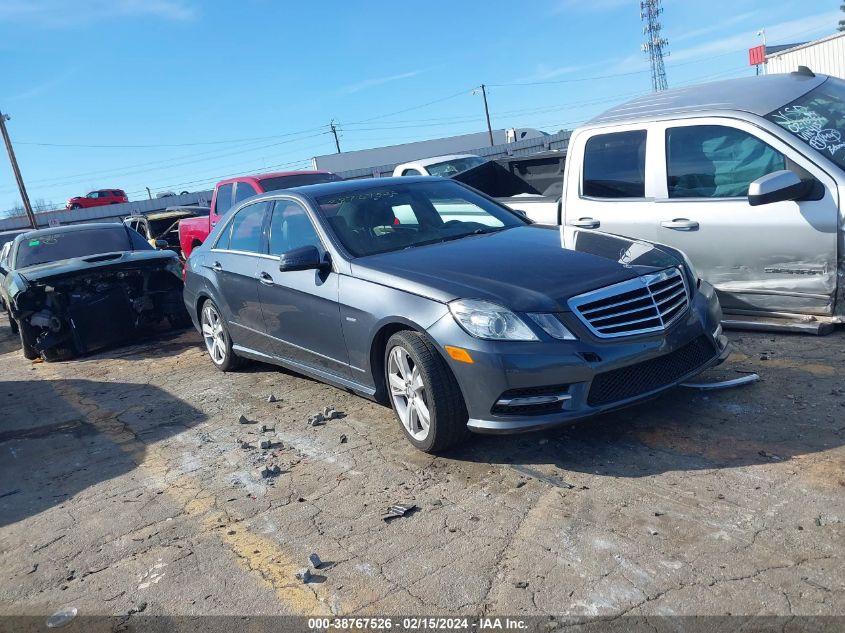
(182, 93)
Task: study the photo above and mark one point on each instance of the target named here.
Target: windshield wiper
(450, 238)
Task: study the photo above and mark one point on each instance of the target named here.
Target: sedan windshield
(397, 216)
(51, 247)
(818, 119)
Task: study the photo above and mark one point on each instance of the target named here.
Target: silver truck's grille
(637, 306)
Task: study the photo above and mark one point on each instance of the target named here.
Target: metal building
(825, 56)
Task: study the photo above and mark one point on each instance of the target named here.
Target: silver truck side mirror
(778, 187)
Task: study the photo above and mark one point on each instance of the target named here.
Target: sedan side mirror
(162, 244)
(778, 186)
(302, 258)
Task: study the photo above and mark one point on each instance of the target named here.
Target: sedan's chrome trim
(528, 401)
(660, 298)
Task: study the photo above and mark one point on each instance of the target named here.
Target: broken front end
(78, 313)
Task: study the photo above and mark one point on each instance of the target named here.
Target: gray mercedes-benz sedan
(425, 294)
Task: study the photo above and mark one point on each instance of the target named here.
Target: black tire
(179, 320)
(441, 394)
(12, 323)
(228, 361)
(27, 340)
(75, 206)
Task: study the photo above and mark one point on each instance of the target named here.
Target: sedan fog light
(552, 326)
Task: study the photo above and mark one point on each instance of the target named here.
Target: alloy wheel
(212, 333)
(408, 393)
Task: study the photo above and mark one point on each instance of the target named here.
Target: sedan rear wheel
(424, 393)
(217, 339)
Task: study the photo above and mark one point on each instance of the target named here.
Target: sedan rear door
(233, 262)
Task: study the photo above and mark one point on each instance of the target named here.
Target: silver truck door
(611, 191)
(779, 257)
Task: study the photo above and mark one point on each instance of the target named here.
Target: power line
(160, 145)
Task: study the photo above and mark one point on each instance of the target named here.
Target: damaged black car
(71, 290)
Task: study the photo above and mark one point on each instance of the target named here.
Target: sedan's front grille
(637, 306)
(641, 378)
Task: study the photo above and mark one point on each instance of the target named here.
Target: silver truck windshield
(818, 119)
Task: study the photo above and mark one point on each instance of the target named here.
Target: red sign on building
(757, 55)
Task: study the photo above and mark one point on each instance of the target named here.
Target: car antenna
(804, 70)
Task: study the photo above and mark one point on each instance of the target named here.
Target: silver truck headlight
(489, 321)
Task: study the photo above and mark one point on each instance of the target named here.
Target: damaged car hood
(530, 268)
(64, 268)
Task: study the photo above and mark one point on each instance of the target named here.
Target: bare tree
(39, 205)
(842, 22)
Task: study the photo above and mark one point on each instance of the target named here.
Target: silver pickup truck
(746, 176)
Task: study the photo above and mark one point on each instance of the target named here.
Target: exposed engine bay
(78, 314)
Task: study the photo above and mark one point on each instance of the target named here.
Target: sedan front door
(778, 257)
(301, 311)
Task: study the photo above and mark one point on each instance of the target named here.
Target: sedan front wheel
(424, 393)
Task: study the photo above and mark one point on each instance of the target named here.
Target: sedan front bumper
(522, 386)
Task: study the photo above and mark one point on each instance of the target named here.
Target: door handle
(680, 224)
(216, 267)
(265, 278)
(585, 223)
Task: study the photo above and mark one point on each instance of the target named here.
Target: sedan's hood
(527, 269)
(128, 260)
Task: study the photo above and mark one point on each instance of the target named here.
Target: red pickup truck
(228, 193)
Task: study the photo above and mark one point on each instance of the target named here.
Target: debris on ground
(316, 563)
(398, 510)
(270, 471)
(316, 420)
(771, 456)
(244, 444)
(343, 438)
(244, 420)
(141, 607)
(61, 617)
(304, 575)
(723, 384)
(265, 428)
(265, 444)
(520, 584)
(329, 413)
(271, 398)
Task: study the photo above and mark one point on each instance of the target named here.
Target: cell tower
(650, 11)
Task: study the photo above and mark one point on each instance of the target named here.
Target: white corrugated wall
(825, 56)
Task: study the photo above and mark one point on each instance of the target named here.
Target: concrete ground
(123, 489)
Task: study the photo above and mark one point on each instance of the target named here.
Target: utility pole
(487, 113)
(24, 197)
(334, 131)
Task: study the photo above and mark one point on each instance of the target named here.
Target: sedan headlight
(489, 321)
(552, 326)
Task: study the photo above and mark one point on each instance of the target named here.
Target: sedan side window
(614, 165)
(291, 228)
(714, 161)
(247, 228)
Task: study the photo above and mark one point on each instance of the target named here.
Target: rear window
(51, 247)
(295, 180)
(614, 165)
